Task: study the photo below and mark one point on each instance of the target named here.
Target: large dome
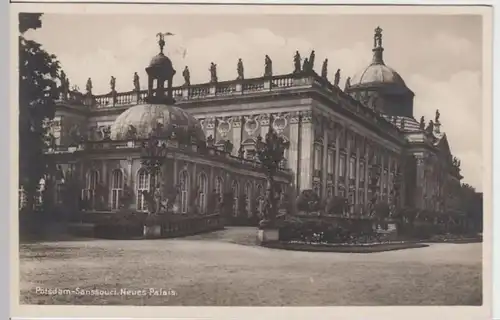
(145, 118)
(377, 74)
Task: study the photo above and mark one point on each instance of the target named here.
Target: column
(367, 168)
(306, 148)
(324, 161)
(264, 125)
(175, 173)
(348, 136)
(338, 133)
(293, 152)
(357, 175)
(236, 134)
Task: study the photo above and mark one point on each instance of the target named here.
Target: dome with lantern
(380, 87)
(158, 115)
(377, 74)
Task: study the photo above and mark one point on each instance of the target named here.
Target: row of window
(145, 181)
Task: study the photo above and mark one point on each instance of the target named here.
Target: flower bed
(345, 247)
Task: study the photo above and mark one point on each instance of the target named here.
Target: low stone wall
(142, 226)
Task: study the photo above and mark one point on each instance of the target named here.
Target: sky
(438, 56)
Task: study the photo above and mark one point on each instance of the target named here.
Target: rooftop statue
(112, 84)
(268, 67)
(187, 76)
(312, 57)
(324, 69)
(64, 85)
(137, 86)
(213, 72)
(422, 123)
(88, 87)
(430, 127)
(161, 41)
(347, 83)
(240, 70)
(305, 65)
(296, 62)
(377, 39)
(337, 78)
(438, 115)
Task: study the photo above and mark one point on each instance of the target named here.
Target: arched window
(219, 187)
(144, 181)
(184, 184)
(235, 188)
(88, 194)
(203, 185)
(260, 199)
(248, 199)
(116, 188)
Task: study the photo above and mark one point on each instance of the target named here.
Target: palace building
(338, 139)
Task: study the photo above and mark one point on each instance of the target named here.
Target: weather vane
(161, 36)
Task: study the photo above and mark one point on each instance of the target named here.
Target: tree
(37, 94)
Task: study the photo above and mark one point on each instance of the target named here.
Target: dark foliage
(37, 94)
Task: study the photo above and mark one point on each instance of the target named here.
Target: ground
(224, 268)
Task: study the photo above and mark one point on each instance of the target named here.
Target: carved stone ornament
(210, 123)
(279, 124)
(264, 119)
(294, 117)
(251, 125)
(224, 127)
(306, 116)
(236, 122)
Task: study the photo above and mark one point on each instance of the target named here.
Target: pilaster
(324, 162)
(293, 153)
(306, 148)
(236, 134)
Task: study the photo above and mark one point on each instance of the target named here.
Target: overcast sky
(438, 56)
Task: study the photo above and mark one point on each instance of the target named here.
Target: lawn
(224, 268)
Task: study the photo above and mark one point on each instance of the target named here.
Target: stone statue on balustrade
(436, 118)
(336, 81)
(240, 70)
(312, 57)
(88, 86)
(347, 83)
(213, 73)
(64, 88)
(296, 61)
(430, 127)
(305, 65)
(422, 123)
(187, 76)
(324, 69)
(268, 67)
(137, 84)
(112, 84)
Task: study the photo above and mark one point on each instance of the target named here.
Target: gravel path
(225, 268)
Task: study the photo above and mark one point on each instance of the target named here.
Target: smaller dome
(144, 119)
(377, 74)
(160, 60)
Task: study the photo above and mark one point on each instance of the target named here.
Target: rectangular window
(342, 166)
(317, 158)
(352, 168)
(330, 162)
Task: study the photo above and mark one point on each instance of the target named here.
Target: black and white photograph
(258, 160)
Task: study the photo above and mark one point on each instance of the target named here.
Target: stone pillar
(293, 153)
(366, 173)
(236, 134)
(306, 148)
(338, 132)
(324, 161)
(175, 172)
(264, 125)
(357, 176)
